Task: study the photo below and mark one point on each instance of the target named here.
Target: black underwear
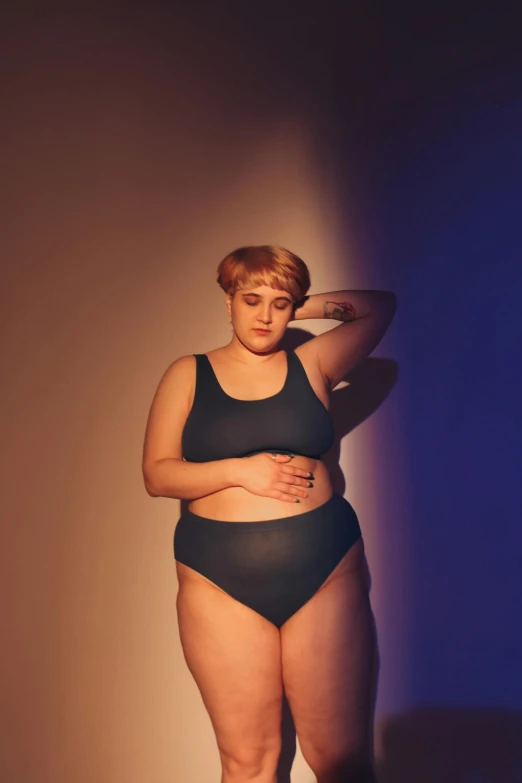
(275, 566)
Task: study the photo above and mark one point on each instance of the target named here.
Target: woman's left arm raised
(365, 316)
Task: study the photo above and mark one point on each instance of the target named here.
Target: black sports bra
(292, 421)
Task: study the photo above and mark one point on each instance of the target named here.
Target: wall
(141, 146)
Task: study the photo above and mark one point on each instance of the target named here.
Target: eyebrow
(284, 298)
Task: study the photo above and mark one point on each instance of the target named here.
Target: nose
(265, 316)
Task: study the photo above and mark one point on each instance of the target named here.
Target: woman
(271, 597)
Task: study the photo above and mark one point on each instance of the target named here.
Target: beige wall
(131, 168)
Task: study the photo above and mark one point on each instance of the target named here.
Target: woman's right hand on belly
(261, 474)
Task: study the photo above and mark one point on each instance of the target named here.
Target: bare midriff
(236, 504)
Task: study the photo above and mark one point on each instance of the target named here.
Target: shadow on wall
(448, 745)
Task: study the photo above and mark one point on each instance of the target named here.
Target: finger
(282, 457)
(289, 478)
(285, 496)
(290, 470)
(290, 489)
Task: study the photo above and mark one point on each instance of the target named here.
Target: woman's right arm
(175, 478)
(165, 473)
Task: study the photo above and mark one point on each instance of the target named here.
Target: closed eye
(278, 307)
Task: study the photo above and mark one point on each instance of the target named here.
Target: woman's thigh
(234, 655)
(329, 661)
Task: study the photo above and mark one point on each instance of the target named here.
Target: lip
(262, 331)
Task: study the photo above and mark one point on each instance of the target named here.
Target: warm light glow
(124, 220)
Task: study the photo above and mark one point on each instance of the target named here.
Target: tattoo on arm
(340, 311)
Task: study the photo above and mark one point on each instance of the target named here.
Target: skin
(239, 660)
(339, 311)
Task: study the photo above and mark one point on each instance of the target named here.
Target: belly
(236, 504)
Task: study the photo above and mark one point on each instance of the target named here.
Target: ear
(228, 302)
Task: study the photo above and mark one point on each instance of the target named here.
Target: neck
(244, 353)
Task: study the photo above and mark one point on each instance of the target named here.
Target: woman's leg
(234, 655)
(329, 662)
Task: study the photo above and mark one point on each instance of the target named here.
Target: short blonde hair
(255, 265)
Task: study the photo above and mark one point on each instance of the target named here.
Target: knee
(255, 766)
(351, 766)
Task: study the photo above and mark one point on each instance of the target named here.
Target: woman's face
(260, 316)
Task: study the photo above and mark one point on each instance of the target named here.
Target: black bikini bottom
(274, 566)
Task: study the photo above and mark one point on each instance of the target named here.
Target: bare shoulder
(307, 354)
(169, 410)
(181, 367)
(179, 378)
